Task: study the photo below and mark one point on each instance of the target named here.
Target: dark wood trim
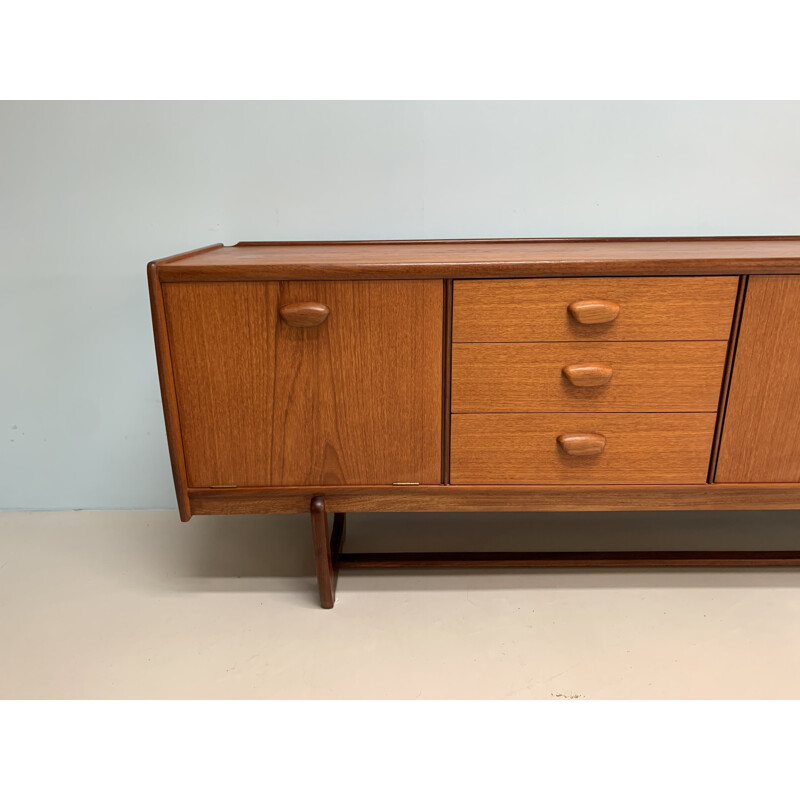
(726, 375)
(295, 499)
(326, 550)
(447, 370)
(169, 400)
(567, 560)
(329, 557)
(338, 536)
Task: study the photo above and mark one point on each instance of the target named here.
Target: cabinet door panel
(353, 400)
(761, 434)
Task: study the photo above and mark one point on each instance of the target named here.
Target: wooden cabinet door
(354, 400)
(761, 433)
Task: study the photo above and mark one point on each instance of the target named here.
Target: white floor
(135, 604)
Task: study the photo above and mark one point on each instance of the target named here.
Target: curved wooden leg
(326, 550)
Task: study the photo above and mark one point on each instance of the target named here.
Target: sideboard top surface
(457, 258)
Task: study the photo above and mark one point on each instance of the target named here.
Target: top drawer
(562, 309)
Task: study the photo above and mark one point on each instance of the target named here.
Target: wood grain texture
(523, 448)
(489, 258)
(356, 400)
(582, 444)
(169, 400)
(646, 376)
(593, 312)
(632, 497)
(588, 374)
(304, 315)
(323, 557)
(761, 432)
(220, 338)
(536, 310)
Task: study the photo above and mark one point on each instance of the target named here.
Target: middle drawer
(587, 376)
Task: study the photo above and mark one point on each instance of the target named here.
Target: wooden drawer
(539, 309)
(524, 448)
(640, 376)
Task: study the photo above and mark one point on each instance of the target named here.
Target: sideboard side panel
(168, 398)
(761, 432)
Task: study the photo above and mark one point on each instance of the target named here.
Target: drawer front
(587, 376)
(573, 309)
(563, 448)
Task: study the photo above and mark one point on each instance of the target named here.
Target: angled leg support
(326, 549)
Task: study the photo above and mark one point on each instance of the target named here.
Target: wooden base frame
(327, 550)
(693, 497)
(330, 558)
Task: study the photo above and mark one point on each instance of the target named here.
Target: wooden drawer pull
(304, 315)
(588, 374)
(582, 444)
(591, 312)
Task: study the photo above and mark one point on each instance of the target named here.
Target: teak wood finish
(592, 374)
(593, 312)
(327, 550)
(304, 315)
(628, 497)
(539, 310)
(509, 449)
(582, 444)
(761, 436)
(587, 374)
(354, 399)
(481, 258)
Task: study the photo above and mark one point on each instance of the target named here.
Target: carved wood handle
(590, 312)
(588, 374)
(304, 315)
(582, 444)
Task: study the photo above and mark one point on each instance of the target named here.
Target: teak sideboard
(483, 375)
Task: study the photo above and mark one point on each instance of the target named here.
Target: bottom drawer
(580, 448)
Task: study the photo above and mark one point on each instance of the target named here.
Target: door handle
(304, 315)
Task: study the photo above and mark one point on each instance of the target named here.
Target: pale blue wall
(92, 191)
